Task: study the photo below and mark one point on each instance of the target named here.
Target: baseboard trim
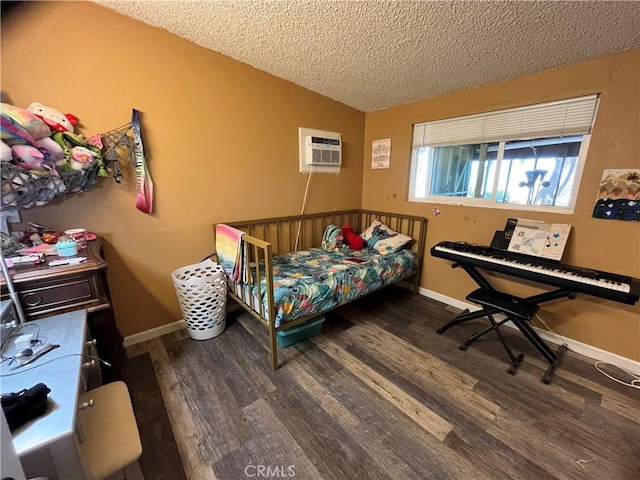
(153, 333)
(574, 345)
(163, 330)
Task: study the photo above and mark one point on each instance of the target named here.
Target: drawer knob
(89, 364)
(84, 405)
(32, 299)
(93, 342)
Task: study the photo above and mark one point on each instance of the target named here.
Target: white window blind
(566, 117)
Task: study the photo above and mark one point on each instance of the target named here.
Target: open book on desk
(536, 238)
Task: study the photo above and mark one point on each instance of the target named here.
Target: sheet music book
(537, 238)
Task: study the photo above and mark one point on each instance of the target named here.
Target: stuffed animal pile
(335, 238)
(41, 142)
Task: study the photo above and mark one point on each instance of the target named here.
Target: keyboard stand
(553, 358)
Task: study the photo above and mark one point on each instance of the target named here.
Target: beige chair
(111, 446)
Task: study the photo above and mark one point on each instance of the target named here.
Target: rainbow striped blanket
(228, 248)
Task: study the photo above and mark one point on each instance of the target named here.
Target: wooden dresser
(44, 291)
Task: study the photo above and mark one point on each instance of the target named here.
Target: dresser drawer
(82, 290)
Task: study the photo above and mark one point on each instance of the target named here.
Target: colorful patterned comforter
(317, 280)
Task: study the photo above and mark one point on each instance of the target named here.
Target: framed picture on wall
(381, 153)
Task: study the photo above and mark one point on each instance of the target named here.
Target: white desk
(46, 445)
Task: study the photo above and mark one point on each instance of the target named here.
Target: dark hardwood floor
(377, 395)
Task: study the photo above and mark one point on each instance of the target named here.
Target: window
(531, 157)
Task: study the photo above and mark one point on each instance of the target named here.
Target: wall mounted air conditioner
(323, 151)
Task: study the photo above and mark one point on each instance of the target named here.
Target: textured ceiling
(373, 54)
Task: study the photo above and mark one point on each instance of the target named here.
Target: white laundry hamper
(202, 292)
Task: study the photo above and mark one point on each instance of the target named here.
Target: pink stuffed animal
(30, 158)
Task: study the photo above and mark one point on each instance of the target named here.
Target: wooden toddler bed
(288, 279)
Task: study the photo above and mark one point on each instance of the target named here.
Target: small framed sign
(381, 153)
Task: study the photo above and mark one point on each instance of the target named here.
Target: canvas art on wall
(381, 153)
(619, 195)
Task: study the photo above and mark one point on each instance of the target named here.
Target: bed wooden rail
(265, 238)
(282, 232)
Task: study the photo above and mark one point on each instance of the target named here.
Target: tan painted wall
(221, 140)
(204, 114)
(612, 246)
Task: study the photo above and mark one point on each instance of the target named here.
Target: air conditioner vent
(321, 151)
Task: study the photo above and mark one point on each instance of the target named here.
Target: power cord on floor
(635, 383)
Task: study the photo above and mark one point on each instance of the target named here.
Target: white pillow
(384, 240)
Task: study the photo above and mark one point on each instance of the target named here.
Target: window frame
(491, 202)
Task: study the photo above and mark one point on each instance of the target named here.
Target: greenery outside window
(529, 158)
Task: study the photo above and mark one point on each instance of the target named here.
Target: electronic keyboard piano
(606, 285)
(567, 279)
